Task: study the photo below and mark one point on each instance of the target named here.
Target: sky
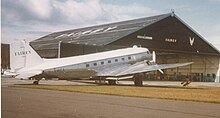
(32, 19)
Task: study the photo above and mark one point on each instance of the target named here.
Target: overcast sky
(32, 19)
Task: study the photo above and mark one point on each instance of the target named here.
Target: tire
(112, 82)
(36, 82)
(138, 80)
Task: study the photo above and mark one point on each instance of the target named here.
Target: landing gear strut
(138, 79)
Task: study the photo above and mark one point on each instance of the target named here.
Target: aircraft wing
(113, 70)
(26, 75)
(124, 70)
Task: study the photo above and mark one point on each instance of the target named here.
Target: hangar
(172, 39)
(5, 56)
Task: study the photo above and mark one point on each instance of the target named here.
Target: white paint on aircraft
(115, 63)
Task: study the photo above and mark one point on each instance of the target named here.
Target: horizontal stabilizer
(26, 75)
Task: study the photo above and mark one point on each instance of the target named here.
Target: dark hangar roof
(170, 33)
(95, 35)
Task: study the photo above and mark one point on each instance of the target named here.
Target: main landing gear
(102, 80)
(112, 82)
(36, 82)
(138, 79)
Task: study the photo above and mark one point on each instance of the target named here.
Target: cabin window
(122, 59)
(109, 61)
(87, 65)
(116, 60)
(102, 62)
(129, 58)
(95, 64)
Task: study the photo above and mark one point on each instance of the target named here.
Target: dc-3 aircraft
(111, 66)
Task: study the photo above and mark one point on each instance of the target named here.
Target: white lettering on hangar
(171, 40)
(87, 32)
(144, 37)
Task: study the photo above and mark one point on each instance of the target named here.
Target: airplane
(111, 66)
(8, 74)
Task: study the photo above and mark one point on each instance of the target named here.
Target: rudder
(23, 55)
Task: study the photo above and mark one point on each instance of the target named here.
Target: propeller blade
(154, 61)
(161, 71)
(154, 56)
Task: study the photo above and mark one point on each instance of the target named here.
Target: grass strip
(198, 94)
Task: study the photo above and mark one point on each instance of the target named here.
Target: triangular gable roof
(170, 34)
(196, 33)
(105, 34)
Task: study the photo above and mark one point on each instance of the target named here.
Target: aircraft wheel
(112, 82)
(36, 82)
(138, 80)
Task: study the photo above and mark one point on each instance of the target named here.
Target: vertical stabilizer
(23, 55)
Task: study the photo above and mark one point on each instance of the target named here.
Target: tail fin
(23, 55)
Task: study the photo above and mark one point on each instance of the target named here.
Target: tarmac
(34, 103)
(12, 81)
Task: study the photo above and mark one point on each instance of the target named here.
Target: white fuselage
(86, 66)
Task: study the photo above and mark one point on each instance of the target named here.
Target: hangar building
(172, 39)
(5, 56)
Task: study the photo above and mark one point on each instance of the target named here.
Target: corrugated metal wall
(204, 68)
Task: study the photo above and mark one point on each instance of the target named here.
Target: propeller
(154, 61)
(154, 56)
